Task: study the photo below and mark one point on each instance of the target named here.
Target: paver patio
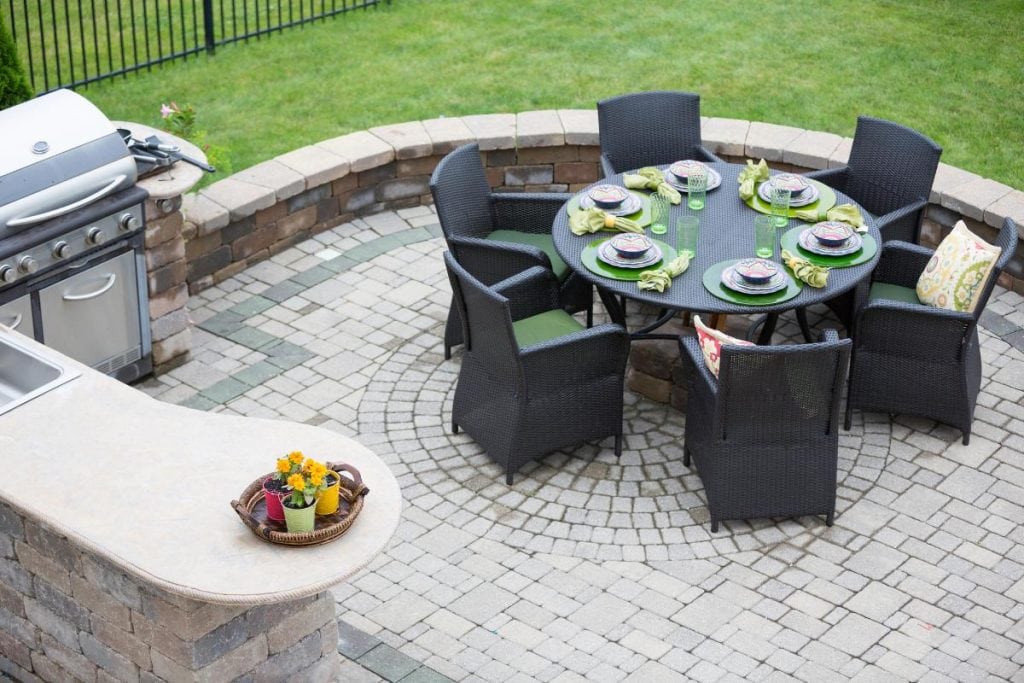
(592, 567)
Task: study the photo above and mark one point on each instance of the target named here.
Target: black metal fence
(68, 43)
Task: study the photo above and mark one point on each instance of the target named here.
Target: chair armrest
(909, 330)
(530, 292)
(833, 177)
(532, 212)
(705, 154)
(607, 169)
(490, 261)
(578, 357)
(908, 216)
(689, 346)
(901, 263)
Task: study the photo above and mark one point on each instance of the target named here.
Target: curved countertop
(148, 485)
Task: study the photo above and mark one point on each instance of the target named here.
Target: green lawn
(952, 70)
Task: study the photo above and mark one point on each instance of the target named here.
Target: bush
(14, 88)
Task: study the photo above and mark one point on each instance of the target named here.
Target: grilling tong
(152, 154)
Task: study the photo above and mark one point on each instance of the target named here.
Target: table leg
(767, 329)
(801, 318)
(611, 304)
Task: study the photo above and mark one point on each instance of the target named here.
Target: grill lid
(59, 153)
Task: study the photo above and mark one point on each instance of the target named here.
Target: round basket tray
(252, 509)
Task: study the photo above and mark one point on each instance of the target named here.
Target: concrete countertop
(148, 486)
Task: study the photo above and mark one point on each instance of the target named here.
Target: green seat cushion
(542, 242)
(882, 290)
(544, 326)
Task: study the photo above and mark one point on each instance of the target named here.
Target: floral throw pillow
(711, 341)
(958, 271)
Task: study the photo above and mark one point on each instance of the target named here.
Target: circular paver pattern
(582, 502)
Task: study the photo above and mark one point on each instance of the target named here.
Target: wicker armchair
(533, 379)
(765, 433)
(649, 129)
(890, 173)
(915, 359)
(495, 236)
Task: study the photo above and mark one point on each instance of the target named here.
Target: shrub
(14, 88)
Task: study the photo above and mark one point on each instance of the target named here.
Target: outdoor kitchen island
(121, 559)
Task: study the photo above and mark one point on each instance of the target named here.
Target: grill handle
(40, 217)
(111, 279)
(15, 321)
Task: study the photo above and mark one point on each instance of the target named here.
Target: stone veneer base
(66, 614)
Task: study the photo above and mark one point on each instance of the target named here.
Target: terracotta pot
(299, 520)
(327, 503)
(273, 500)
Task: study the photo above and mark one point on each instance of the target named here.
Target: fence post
(208, 25)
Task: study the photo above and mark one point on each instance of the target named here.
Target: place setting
(830, 243)
(613, 200)
(626, 256)
(679, 173)
(782, 194)
(757, 280)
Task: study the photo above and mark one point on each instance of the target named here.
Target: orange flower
(296, 457)
(297, 482)
(284, 465)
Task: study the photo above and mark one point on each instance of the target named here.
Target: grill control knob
(61, 250)
(7, 275)
(28, 265)
(128, 222)
(95, 236)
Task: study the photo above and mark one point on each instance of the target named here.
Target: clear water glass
(659, 214)
(687, 229)
(696, 189)
(764, 236)
(780, 206)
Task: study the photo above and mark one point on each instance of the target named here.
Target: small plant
(14, 87)
(181, 121)
(306, 483)
(177, 120)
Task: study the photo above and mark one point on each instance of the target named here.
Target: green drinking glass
(659, 214)
(696, 189)
(687, 229)
(780, 206)
(764, 236)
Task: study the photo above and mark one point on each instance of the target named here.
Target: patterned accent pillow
(958, 271)
(711, 341)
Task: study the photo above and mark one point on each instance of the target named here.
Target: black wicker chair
(533, 379)
(890, 173)
(649, 129)
(765, 433)
(915, 359)
(495, 235)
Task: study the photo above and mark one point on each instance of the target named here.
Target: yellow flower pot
(327, 503)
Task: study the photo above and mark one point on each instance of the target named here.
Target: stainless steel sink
(24, 374)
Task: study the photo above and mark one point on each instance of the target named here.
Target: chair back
(462, 196)
(1007, 241)
(891, 165)
(778, 394)
(649, 128)
(486, 324)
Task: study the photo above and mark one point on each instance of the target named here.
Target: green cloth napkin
(815, 276)
(750, 177)
(591, 220)
(650, 178)
(847, 213)
(661, 279)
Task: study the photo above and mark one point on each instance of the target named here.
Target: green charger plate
(790, 241)
(596, 265)
(713, 283)
(826, 200)
(642, 217)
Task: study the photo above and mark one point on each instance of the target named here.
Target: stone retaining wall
(68, 615)
(243, 219)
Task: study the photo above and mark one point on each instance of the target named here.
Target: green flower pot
(300, 520)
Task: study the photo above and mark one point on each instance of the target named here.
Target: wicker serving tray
(252, 509)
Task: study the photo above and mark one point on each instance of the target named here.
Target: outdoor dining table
(726, 232)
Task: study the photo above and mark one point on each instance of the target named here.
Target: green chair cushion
(883, 290)
(543, 242)
(544, 326)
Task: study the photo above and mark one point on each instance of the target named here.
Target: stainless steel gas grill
(72, 266)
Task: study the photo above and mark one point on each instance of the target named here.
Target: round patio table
(726, 232)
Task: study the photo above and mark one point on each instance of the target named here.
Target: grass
(951, 70)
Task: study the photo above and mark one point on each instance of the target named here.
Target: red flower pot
(273, 497)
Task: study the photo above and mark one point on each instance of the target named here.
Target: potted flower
(329, 480)
(300, 506)
(275, 487)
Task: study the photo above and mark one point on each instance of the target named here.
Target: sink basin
(24, 374)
